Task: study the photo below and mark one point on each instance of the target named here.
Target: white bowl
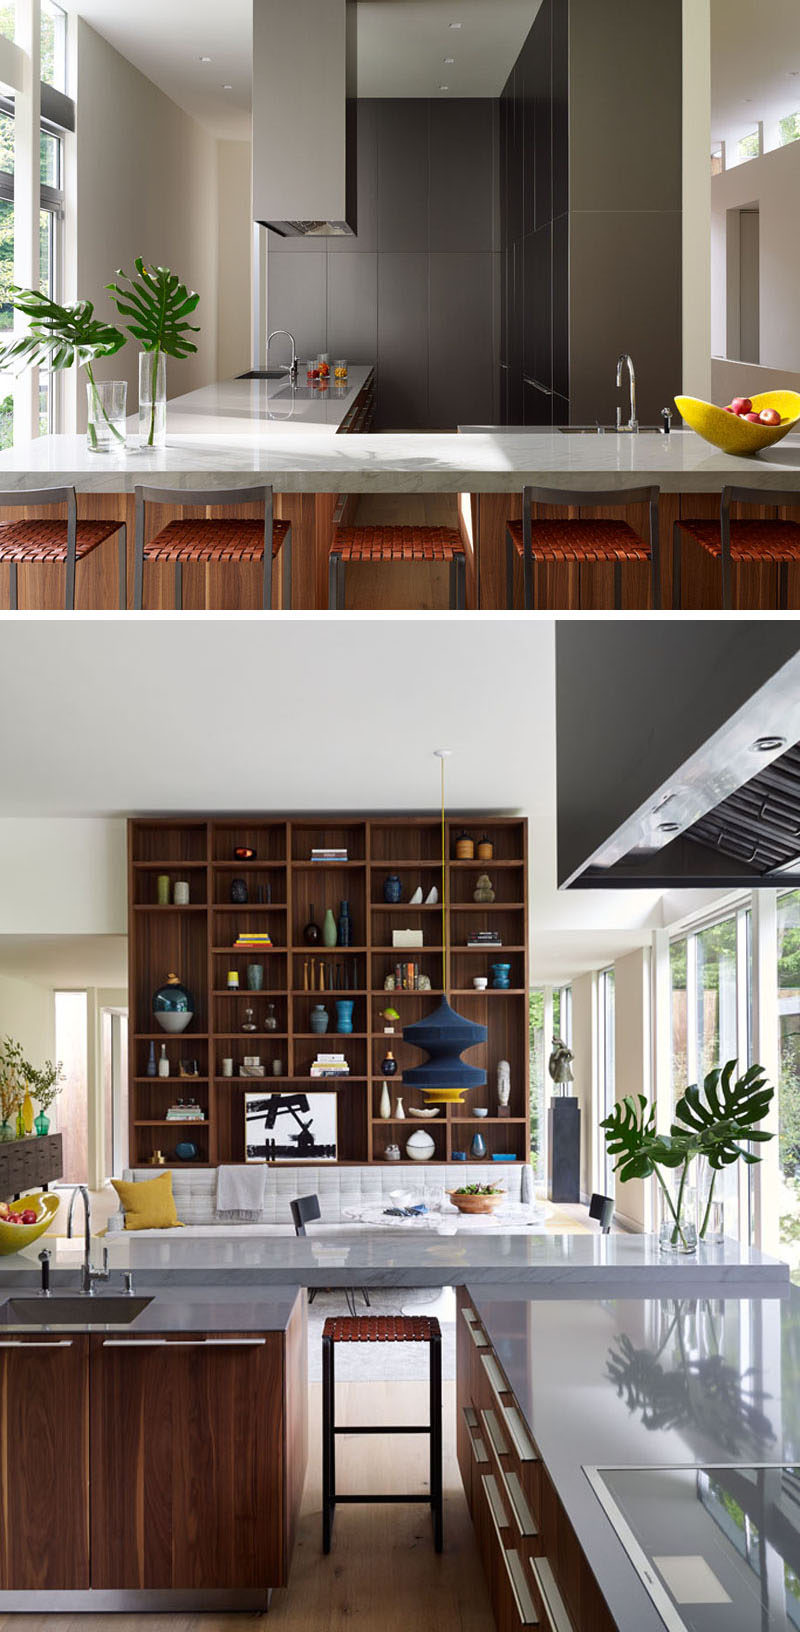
(420, 1147)
(480, 1110)
(173, 1020)
(423, 1110)
(480, 982)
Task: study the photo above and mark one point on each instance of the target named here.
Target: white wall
(63, 876)
(27, 1014)
(147, 182)
(584, 1047)
(773, 183)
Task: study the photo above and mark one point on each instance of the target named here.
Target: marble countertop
(238, 431)
(556, 1266)
(196, 1310)
(579, 1371)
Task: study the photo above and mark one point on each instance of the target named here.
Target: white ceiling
(128, 716)
(401, 49)
(755, 64)
(64, 961)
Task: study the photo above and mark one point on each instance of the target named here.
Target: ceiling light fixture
(454, 25)
(204, 59)
(444, 87)
(768, 745)
(227, 87)
(668, 827)
(448, 61)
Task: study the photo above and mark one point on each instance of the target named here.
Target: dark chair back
(602, 1208)
(304, 1210)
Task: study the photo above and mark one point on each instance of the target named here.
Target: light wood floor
(382, 1574)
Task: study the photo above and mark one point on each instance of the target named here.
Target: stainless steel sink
(608, 430)
(264, 374)
(72, 1310)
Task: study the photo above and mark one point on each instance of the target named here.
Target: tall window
(606, 1085)
(6, 263)
(789, 1073)
(53, 45)
(549, 1014)
(711, 971)
(51, 218)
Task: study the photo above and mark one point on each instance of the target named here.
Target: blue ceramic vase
(392, 889)
(318, 1019)
(344, 1014)
(478, 1147)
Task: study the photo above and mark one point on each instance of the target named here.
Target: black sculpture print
(289, 1127)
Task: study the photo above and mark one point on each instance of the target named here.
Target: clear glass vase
(710, 1204)
(105, 409)
(675, 1218)
(152, 399)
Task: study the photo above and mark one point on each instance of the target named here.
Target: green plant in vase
(157, 305)
(641, 1152)
(44, 1085)
(59, 337)
(12, 1086)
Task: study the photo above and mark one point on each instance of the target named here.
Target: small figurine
(416, 899)
(483, 889)
(389, 1016)
(503, 1087)
(423, 983)
(389, 983)
(432, 896)
(560, 1063)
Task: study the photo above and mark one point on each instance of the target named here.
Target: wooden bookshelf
(196, 942)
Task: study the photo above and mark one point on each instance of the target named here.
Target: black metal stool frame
(62, 495)
(305, 1210)
(185, 497)
(575, 498)
(779, 497)
(330, 1496)
(336, 590)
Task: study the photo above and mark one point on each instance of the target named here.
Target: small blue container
(458, 1155)
(186, 1151)
(503, 1156)
(392, 889)
(344, 1014)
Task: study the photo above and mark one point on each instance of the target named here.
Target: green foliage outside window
(749, 146)
(789, 128)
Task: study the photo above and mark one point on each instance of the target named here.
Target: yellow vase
(27, 1112)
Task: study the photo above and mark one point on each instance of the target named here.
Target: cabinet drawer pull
(134, 1342)
(184, 1343)
(519, 1504)
(474, 1330)
(496, 1379)
(554, 1607)
(478, 1450)
(36, 1343)
(470, 1416)
(519, 1587)
(523, 1445)
(491, 1425)
(496, 1508)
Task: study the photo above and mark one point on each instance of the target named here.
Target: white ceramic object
(416, 899)
(432, 896)
(399, 1110)
(423, 1110)
(480, 982)
(480, 1110)
(420, 1146)
(385, 1108)
(173, 1020)
(503, 1083)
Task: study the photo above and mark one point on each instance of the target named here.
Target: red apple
(729, 408)
(741, 405)
(769, 416)
(753, 418)
(29, 1216)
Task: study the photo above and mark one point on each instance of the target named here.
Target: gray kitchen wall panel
(402, 132)
(461, 355)
(297, 298)
(353, 306)
(402, 395)
(614, 165)
(626, 296)
(460, 196)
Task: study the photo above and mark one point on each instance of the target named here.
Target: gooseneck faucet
(622, 362)
(289, 336)
(88, 1274)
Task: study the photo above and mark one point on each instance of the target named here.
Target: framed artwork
(290, 1127)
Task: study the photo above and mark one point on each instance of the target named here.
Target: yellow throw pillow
(148, 1204)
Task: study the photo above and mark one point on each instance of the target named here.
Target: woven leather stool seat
(381, 1328)
(580, 541)
(397, 543)
(47, 540)
(750, 540)
(222, 540)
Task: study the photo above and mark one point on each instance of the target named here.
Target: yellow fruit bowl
(741, 436)
(15, 1236)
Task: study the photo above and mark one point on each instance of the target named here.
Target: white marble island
(238, 433)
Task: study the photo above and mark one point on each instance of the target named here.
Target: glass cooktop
(718, 1548)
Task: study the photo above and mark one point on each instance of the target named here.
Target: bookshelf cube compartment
(266, 886)
(399, 842)
(267, 839)
(169, 842)
(328, 834)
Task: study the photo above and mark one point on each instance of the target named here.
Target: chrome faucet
(293, 364)
(88, 1274)
(622, 362)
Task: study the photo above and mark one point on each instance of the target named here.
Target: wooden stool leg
(266, 584)
(509, 571)
(328, 1444)
(12, 586)
(333, 582)
(617, 586)
(676, 565)
(783, 585)
(287, 572)
(138, 555)
(122, 552)
(178, 586)
(436, 1440)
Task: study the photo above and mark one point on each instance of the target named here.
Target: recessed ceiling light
(448, 61)
(768, 745)
(668, 827)
(444, 87)
(204, 59)
(227, 87)
(454, 25)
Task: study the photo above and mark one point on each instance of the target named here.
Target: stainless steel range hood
(677, 756)
(304, 116)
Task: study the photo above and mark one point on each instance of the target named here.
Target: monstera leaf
(723, 1114)
(630, 1131)
(58, 336)
(157, 304)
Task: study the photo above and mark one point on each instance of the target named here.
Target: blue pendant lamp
(444, 1035)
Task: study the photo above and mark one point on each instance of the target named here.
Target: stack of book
(485, 937)
(251, 940)
(336, 852)
(329, 1065)
(185, 1113)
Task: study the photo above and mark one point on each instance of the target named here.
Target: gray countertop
(580, 1372)
(555, 1265)
(195, 1310)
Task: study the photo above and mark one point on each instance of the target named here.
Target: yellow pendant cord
(444, 894)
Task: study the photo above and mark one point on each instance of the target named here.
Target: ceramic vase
(173, 1005)
(255, 977)
(151, 1061)
(478, 1147)
(42, 1124)
(344, 928)
(329, 930)
(399, 1109)
(392, 889)
(318, 1019)
(312, 934)
(238, 891)
(385, 1107)
(389, 1064)
(344, 1014)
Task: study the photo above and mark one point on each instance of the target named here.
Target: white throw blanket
(240, 1193)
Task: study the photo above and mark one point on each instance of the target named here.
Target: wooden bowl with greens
(477, 1198)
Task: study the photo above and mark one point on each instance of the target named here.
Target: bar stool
(581, 541)
(67, 541)
(727, 541)
(306, 1210)
(397, 544)
(602, 1208)
(381, 1329)
(224, 539)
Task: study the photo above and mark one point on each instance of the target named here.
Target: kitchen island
(241, 432)
(620, 1459)
(152, 1448)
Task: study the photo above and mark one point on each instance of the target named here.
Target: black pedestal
(564, 1144)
